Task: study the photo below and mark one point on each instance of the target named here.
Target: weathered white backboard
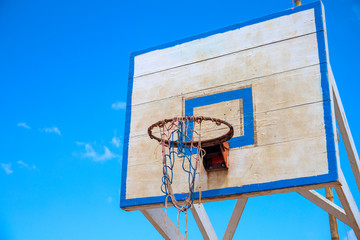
(267, 77)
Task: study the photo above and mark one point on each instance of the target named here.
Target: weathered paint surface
(279, 60)
(289, 128)
(248, 37)
(241, 66)
(230, 111)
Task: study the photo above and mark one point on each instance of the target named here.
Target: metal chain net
(181, 143)
(177, 139)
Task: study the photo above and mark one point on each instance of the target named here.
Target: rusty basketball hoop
(198, 120)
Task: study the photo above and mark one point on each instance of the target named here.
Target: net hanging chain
(181, 142)
(181, 132)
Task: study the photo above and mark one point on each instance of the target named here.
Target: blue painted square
(246, 95)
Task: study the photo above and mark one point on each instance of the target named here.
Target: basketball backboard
(267, 77)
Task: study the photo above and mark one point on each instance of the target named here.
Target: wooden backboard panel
(267, 77)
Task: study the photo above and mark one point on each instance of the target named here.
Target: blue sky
(63, 75)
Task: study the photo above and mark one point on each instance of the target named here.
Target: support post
(332, 220)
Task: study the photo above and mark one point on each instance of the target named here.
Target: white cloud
(7, 168)
(95, 156)
(25, 165)
(52, 130)
(350, 235)
(22, 164)
(24, 125)
(119, 105)
(106, 156)
(115, 141)
(356, 10)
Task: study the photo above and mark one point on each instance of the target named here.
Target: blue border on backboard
(246, 95)
(331, 176)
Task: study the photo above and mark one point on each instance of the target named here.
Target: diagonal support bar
(203, 222)
(235, 218)
(326, 205)
(345, 132)
(349, 204)
(156, 218)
